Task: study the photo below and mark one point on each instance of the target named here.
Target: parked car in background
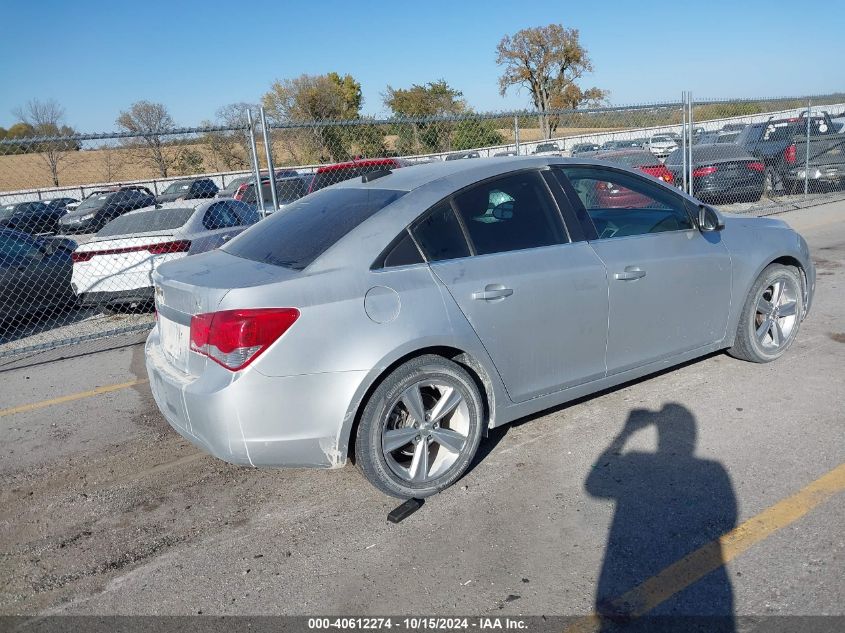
(584, 149)
(462, 155)
(391, 296)
(643, 160)
(114, 270)
(231, 188)
(288, 189)
(709, 138)
(60, 204)
(72, 206)
(721, 173)
(35, 275)
(507, 152)
(189, 189)
(31, 217)
(661, 145)
(327, 175)
(774, 142)
(547, 149)
(623, 144)
(734, 127)
(96, 211)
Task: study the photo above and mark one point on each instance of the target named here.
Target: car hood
(76, 213)
(736, 220)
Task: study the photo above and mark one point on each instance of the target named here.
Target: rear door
(669, 284)
(536, 299)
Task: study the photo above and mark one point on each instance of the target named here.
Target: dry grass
(29, 171)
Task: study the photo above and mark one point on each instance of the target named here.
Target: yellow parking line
(691, 568)
(71, 398)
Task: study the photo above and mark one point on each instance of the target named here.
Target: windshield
(7, 210)
(94, 202)
(302, 232)
(178, 187)
(146, 221)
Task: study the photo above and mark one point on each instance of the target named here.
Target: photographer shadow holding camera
(669, 503)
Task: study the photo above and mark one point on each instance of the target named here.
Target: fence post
(516, 132)
(684, 139)
(259, 195)
(807, 150)
(270, 171)
(689, 146)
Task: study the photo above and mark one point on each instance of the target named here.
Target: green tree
(312, 100)
(548, 60)
(473, 133)
(433, 99)
(150, 124)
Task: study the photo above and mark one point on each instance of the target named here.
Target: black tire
(380, 413)
(748, 345)
(772, 181)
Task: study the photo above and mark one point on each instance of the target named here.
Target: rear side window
(220, 216)
(403, 253)
(439, 234)
(297, 236)
(510, 213)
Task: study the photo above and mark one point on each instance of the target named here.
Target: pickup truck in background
(781, 145)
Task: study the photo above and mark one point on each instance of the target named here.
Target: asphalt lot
(103, 509)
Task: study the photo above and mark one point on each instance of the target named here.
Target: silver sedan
(395, 318)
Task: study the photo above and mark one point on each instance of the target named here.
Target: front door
(670, 284)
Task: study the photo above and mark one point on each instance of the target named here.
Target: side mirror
(708, 219)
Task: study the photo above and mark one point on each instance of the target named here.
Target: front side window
(511, 213)
(622, 205)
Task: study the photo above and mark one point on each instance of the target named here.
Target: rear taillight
(235, 338)
(756, 166)
(179, 246)
(162, 248)
(659, 171)
(789, 154)
(704, 171)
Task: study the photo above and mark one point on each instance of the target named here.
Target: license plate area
(175, 341)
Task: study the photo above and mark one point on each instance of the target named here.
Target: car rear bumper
(252, 419)
(822, 173)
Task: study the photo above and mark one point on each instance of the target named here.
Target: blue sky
(96, 58)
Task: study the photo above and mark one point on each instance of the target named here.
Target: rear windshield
(632, 159)
(710, 152)
(157, 220)
(303, 231)
(237, 182)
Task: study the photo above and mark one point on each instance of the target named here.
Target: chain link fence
(85, 219)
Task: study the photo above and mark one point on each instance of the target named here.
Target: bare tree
(548, 60)
(46, 118)
(151, 123)
(112, 162)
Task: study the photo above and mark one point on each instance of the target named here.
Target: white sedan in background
(114, 270)
(661, 145)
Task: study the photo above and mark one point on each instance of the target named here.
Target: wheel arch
(466, 359)
(785, 259)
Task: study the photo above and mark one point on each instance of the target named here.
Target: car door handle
(492, 292)
(631, 273)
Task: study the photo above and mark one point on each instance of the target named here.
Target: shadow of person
(669, 503)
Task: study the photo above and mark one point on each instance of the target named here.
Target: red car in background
(612, 196)
(331, 174)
